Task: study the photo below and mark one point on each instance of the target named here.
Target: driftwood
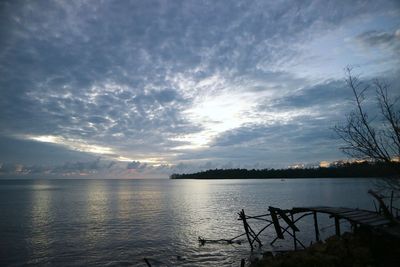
(202, 241)
(147, 262)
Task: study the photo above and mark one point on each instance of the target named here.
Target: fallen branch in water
(228, 241)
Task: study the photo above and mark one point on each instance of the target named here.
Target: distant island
(344, 170)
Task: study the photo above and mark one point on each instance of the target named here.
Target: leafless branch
(366, 138)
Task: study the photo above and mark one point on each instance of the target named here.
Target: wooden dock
(284, 222)
(385, 220)
(354, 216)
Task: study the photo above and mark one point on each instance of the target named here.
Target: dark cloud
(83, 167)
(331, 92)
(135, 165)
(381, 39)
(37, 153)
(70, 169)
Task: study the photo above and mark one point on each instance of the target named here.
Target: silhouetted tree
(373, 137)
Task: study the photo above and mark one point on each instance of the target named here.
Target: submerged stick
(147, 262)
(229, 241)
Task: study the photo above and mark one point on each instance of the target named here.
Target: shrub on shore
(362, 248)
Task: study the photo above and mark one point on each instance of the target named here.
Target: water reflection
(123, 201)
(195, 208)
(104, 222)
(40, 243)
(97, 211)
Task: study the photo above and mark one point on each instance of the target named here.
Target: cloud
(82, 167)
(70, 169)
(161, 82)
(383, 39)
(31, 152)
(327, 93)
(135, 165)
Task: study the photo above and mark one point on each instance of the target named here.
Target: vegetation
(373, 137)
(363, 169)
(363, 248)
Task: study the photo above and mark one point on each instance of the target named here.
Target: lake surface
(120, 222)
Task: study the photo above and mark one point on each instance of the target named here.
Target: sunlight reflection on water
(119, 222)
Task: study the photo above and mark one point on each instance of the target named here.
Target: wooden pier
(284, 222)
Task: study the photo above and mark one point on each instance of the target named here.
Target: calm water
(119, 222)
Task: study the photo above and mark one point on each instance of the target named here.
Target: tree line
(346, 170)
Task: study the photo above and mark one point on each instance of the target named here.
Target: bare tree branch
(371, 139)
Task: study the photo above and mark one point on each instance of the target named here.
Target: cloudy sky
(146, 88)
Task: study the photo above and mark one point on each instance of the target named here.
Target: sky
(143, 89)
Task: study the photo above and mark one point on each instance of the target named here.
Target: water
(119, 222)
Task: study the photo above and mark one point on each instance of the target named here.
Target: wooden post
(254, 236)
(391, 203)
(246, 227)
(337, 226)
(316, 226)
(147, 262)
(376, 209)
(294, 233)
(242, 262)
(287, 220)
(382, 205)
(275, 220)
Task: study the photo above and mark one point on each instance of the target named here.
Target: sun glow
(73, 144)
(107, 152)
(216, 114)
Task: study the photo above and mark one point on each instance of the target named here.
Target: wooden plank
(258, 216)
(294, 233)
(301, 209)
(370, 219)
(308, 208)
(360, 217)
(337, 226)
(324, 209)
(288, 221)
(330, 211)
(338, 210)
(316, 226)
(377, 218)
(374, 220)
(321, 209)
(275, 220)
(334, 212)
(357, 213)
(349, 212)
(353, 212)
(345, 209)
(378, 223)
